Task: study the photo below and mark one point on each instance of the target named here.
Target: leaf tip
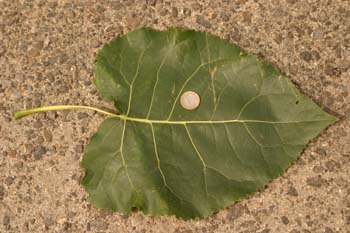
(333, 119)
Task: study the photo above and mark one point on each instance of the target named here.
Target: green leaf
(251, 124)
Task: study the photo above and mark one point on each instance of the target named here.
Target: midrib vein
(27, 112)
(150, 121)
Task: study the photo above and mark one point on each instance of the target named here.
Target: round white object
(190, 100)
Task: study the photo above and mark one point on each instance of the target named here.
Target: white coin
(190, 100)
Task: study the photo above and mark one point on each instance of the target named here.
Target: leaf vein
(201, 159)
(135, 76)
(187, 80)
(122, 156)
(251, 100)
(160, 169)
(155, 85)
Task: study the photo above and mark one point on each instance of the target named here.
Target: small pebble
(6, 220)
(151, 2)
(48, 135)
(235, 212)
(317, 34)
(2, 192)
(285, 220)
(328, 230)
(38, 124)
(79, 148)
(19, 165)
(202, 21)
(292, 191)
(33, 52)
(71, 214)
(174, 12)
(38, 44)
(99, 225)
(40, 140)
(39, 152)
(306, 56)
(196, 6)
(314, 181)
(82, 115)
(9, 180)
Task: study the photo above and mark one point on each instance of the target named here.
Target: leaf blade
(252, 123)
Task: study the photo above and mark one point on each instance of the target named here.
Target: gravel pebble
(38, 124)
(247, 16)
(6, 220)
(48, 135)
(33, 52)
(39, 152)
(321, 151)
(67, 226)
(19, 165)
(315, 181)
(292, 191)
(318, 34)
(38, 44)
(79, 148)
(82, 115)
(202, 21)
(9, 180)
(285, 220)
(196, 6)
(236, 212)
(151, 2)
(344, 65)
(174, 12)
(2, 192)
(99, 225)
(40, 140)
(49, 221)
(332, 165)
(328, 230)
(306, 56)
(315, 55)
(71, 214)
(318, 169)
(63, 89)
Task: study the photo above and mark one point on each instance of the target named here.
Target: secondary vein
(122, 156)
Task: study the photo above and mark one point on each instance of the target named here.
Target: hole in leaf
(297, 102)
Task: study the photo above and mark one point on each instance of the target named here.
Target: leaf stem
(24, 113)
(27, 112)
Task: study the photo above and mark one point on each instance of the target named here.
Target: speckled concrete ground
(47, 50)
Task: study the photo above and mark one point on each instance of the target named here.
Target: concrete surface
(47, 50)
